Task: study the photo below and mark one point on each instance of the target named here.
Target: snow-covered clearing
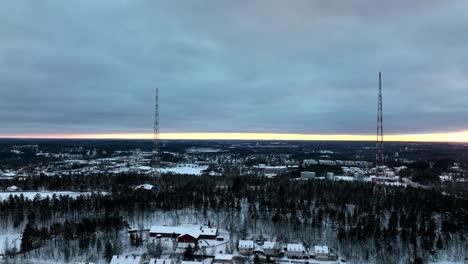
(185, 169)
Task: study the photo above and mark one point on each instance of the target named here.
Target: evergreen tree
(66, 253)
(188, 254)
(256, 259)
(108, 251)
(439, 244)
(28, 238)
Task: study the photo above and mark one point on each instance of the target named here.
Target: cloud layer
(233, 66)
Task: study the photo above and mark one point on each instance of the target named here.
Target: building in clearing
(246, 247)
(12, 189)
(307, 174)
(223, 258)
(270, 248)
(191, 262)
(146, 186)
(185, 233)
(162, 261)
(116, 259)
(295, 251)
(321, 252)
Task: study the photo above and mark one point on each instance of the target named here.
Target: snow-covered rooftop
(223, 257)
(321, 249)
(295, 247)
(193, 230)
(125, 259)
(191, 262)
(161, 261)
(145, 186)
(269, 245)
(246, 244)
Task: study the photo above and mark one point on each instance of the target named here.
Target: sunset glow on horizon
(431, 137)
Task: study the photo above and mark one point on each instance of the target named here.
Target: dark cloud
(232, 66)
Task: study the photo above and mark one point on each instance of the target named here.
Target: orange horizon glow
(431, 137)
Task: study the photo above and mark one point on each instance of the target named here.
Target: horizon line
(452, 137)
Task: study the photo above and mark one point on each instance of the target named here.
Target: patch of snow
(191, 169)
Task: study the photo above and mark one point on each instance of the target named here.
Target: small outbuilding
(223, 258)
(12, 189)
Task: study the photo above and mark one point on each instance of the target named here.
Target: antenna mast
(156, 159)
(379, 158)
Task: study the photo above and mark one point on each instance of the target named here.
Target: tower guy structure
(379, 157)
(156, 158)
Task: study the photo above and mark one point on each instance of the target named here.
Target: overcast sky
(297, 66)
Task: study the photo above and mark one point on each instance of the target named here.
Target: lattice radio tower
(379, 157)
(156, 158)
(379, 187)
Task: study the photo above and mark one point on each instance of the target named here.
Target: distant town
(247, 159)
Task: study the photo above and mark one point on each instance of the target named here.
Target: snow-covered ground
(185, 169)
(9, 239)
(42, 195)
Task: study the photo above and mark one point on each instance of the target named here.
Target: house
(307, 174)
(295, 251)
(270, 248)
(116, 259)
(162, 261)
(321, 252)
(223, 258)
(185, 233)
(246, 247)
(12, 189)
(146, 186)
(191, 262)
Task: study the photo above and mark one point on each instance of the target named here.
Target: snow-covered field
(203, 150)
(185, 169)
(42, 195)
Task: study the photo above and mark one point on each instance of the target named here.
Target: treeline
(90, 234)
(82, 182)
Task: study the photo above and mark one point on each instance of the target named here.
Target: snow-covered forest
(399, 226)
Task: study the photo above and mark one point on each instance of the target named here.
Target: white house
(12, 189)
(295, 251)
(270, 248)
(161, 261)
(191, 262)
(116, 259)
(223, 258)
(321, 252)
(246, 247)
(307, 174)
